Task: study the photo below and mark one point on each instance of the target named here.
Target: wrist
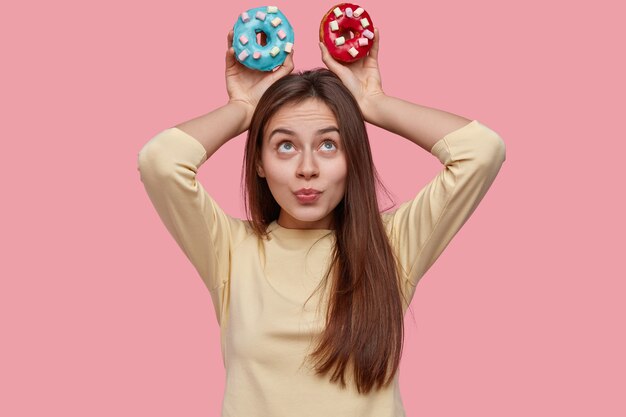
(370, 106)
(244, 111)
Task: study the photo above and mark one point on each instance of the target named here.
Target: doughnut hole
(261, 38)
(348, 34)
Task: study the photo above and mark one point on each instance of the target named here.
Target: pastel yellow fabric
(259, 287)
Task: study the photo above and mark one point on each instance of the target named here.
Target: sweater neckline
(279, 230)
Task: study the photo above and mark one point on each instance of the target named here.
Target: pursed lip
(307, 191)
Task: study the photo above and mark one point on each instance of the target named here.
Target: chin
(309, 215)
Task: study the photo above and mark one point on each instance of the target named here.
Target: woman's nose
(307, 167)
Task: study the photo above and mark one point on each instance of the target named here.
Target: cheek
(278, 178)
(276, 174)
(338, 171)
(270, 168)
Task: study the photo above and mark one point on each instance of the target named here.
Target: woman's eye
(331, 143)
(288, 147)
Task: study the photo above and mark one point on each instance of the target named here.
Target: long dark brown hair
(364, 317)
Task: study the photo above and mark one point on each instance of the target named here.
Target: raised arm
(422, 125)
(168, 164)
(423, 227)
(472, 154)
(245, 87)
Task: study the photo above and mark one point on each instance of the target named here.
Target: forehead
(309, 114)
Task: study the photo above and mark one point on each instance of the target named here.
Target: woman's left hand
(361, 77)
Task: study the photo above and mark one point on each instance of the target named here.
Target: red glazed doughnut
(347, 31)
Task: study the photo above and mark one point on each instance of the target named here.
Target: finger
(230, 51)
(229, 39)
(230, 58)
(287, 65)
(374, 51)
(330, 62)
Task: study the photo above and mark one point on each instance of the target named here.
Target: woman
(315, 231)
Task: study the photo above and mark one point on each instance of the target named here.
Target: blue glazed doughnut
(278, 32)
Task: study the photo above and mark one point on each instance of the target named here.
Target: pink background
(100, 312)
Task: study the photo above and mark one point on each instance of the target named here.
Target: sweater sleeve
(421, 228)
(168, 165)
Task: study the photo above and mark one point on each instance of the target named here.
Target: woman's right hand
(245, 85)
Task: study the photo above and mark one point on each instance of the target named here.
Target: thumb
(287, 65)
(330, 62)
(230, 58)
(230, 51)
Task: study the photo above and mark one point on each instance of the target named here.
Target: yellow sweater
(259, 287)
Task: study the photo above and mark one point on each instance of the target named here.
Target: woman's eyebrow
(291, 132)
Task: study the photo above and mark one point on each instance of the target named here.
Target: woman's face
(302, 149)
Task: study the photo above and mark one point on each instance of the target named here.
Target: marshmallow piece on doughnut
(358, 12)
(368, 34)
(243, 39)
(340, 41)
(334, 25)
(256, 55)
(365, 23)
(243, 55)
(244, 17)
(260, 15)
(274, 51)
(276, 21)
(337, 11)
(281, 34)
(363, 41)
(288, 47)
(272, 9)
(349, 11)
(353, 51)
